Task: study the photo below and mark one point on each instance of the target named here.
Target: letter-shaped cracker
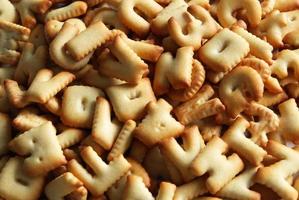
(292, 39)
(239, 87)
(108, 16)
(94, 36)
(166, 191)
(278, 25)
(238, 188)
(27, 9)
(197, 80)
(128, 66)
(31, 61)
(29, 118)
(191, 189)
(224, 51)
(211, 160)
(89, 141)
(236, 139)
(135, 189)
(70, 137)
(182, 155)
(72, 10)
(134, 21)
(7, 11)
(104, 130)
(58, 52)
(134, 96)
(199, 106)
(274, 176)
(41, 147)
(158, 124)
(43, 87)
(176, 72)
(289, 114)
(286, 61)
(267, 122)
(92, 77)
(175, 10)
(270, 99)
(11, 34)
(78, 105)
(16, 184)
(61, 186)
(200, 25)
(264, 70)
(123, 140)
(258, 47)
(5, 133)
(144, 50)
(52, 27)
(105, 175)
(37, 36)
(226, 8)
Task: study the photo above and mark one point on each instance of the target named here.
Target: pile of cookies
(149, 99)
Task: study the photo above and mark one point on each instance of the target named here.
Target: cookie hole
(180, 140)
(84, 103)
(256, 118)
(34, 141)
(110, 26)
(293, 18)
(248, 95)
(40, 159)
(234, 88)
(134, 95)
(247, 134)
(22, 182)
(223, 46)
(162, 125)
